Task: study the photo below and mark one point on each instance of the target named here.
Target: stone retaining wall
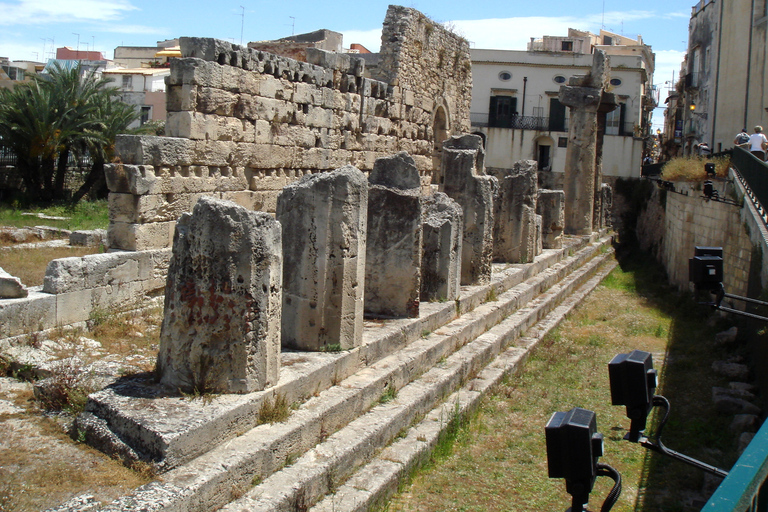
(243, 123)
(75, 287)
(673, 224)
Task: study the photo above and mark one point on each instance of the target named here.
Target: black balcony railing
(537, 123)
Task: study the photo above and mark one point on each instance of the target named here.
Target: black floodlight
(705, 269)
(633, 382)
(573, 449)
(710, 169)
(709, 190)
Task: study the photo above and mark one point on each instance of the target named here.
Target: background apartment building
(515, 104)
(724, 82)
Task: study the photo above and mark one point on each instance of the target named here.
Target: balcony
(480, 119)
(692, 81)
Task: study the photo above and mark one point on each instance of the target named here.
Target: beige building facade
(725, 86)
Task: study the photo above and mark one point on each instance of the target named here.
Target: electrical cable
(613, 496)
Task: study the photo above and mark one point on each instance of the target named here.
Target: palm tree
(45, 120)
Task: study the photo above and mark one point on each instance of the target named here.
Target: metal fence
(514, 122)
(754, 175)
(8, 158)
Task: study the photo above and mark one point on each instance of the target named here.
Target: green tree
(46, 120)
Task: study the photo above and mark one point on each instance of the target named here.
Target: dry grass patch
(691, 168)
(498, 461)
(29, 264)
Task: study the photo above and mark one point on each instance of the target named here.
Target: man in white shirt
(758, 143)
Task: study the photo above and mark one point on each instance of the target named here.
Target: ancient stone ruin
(323, 217)
(223, 300)
(393, 254)
(442, 233)
(244, 123)
(465, 182)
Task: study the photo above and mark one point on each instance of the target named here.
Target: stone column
(324, 234)
(514, 213)
(465, 182)
(221, 325)
(550, 206)
(582, 96)
(607, 104)
(393, 246)
(441, 259)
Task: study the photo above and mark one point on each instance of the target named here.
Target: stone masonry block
(222, 315)
(441, 258)
(181, 98)
(323, 278)
(139, 237)
(130, 179)
(153, 150)
(31, 313)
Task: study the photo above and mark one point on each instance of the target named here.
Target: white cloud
(371, 39)
(56, 11)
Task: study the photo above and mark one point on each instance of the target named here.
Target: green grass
(497, 460)
(84, 215)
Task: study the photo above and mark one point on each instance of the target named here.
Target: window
(559, 79)
(505, 76)
(126, 81)
(502, 111)
(562, 142)
(607, 40)
(615, 82)
(566, 46)
(614, 120)
(145, 114)
(556, 115)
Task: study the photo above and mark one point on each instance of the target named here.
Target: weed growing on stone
(274, 411)
(332, 347)
(67, 388)
(492, 295)
(388, 395)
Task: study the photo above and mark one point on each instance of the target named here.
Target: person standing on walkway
(742, 138)
(758, 143)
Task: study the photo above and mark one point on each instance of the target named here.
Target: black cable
(613, 496)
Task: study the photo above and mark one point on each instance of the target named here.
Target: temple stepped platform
(361, 419)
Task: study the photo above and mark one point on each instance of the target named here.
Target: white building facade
(515, 105)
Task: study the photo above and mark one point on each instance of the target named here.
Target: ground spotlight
(573, 448)
(633, 381)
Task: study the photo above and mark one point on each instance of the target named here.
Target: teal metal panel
(739, 490)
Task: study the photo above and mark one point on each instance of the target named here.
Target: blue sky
(33, 28)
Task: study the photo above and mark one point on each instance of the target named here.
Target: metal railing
(8, 158)
(753, 174)
(745, 489)
(537, 123)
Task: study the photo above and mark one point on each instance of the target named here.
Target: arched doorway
(441, 129)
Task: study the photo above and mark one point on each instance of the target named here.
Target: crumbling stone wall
(243, 123)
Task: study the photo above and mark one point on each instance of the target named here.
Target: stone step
(421, 370)
(171, 431)
(331, 462)
(375, 483)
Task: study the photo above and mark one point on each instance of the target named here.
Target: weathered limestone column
(324, 235)
(441, 259)
(221, 329)
(606, 205)
(393, 247)
(582, 96)
(465, 182)
(608, 103)
(514, 213)
(550, 206)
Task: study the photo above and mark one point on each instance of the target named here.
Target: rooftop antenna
(242, 24)
(78, 43)
(93, 46)
(293, 25)
(603, 20)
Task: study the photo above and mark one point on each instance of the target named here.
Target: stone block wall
(243, 123)
(687, 221)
